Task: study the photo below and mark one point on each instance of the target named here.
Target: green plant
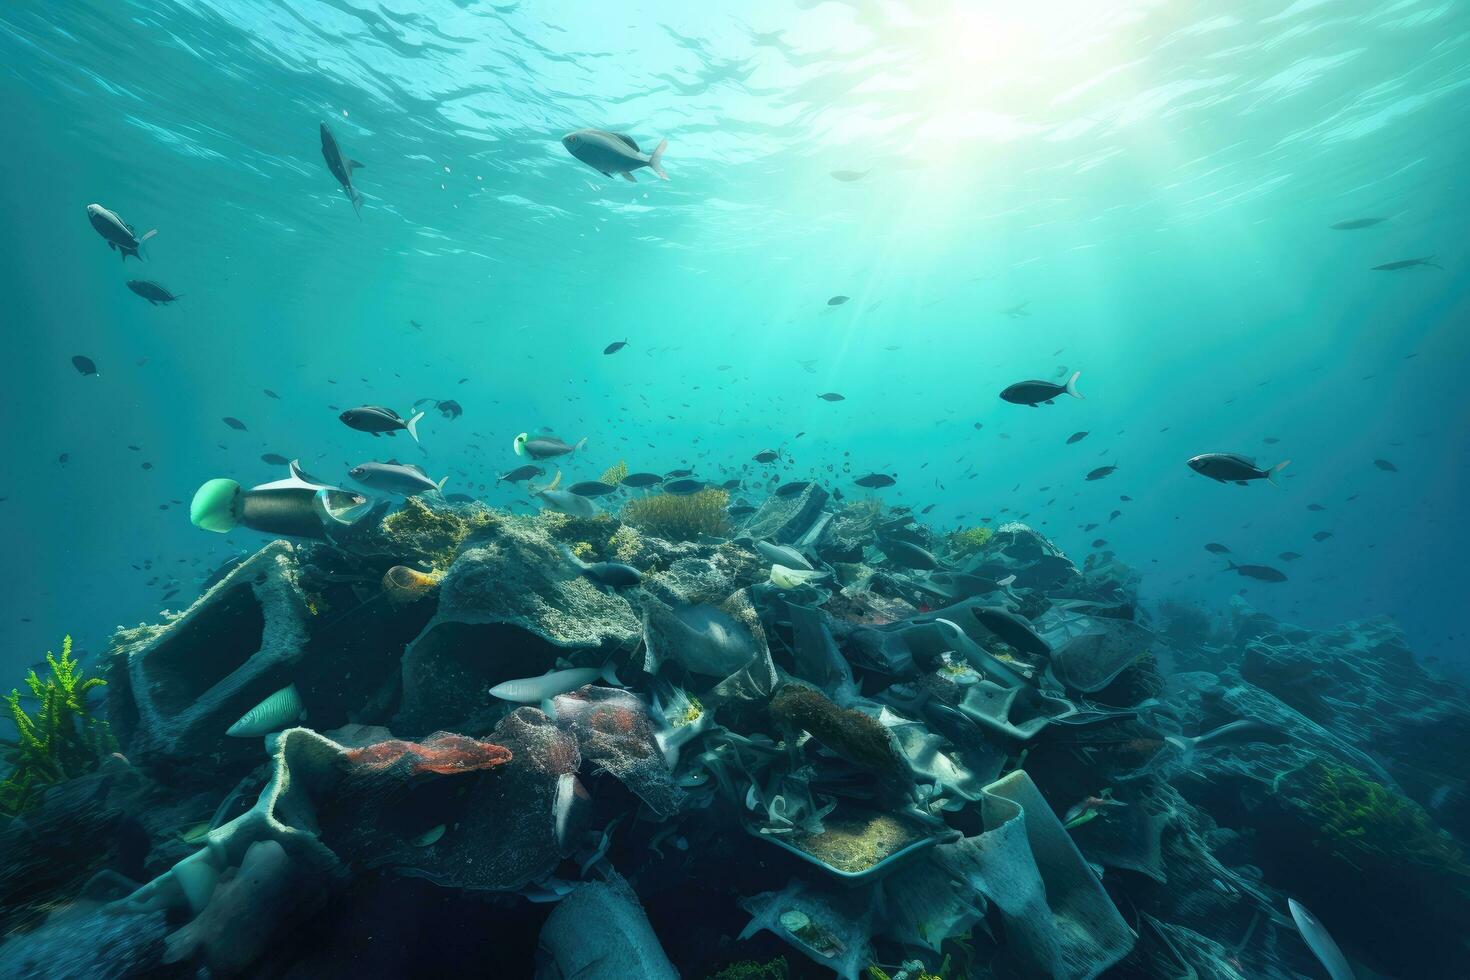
(60, 741)
(679, 517)
(433, 534)
(776, 969)
(967, 541)
(613, 475)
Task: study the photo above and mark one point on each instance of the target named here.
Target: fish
(1353, 224)
(429, 837)
(875, 481)
(848, 176)
(270, 394)
(117, 232)
(1076, 437)
(785, 555)
(1264, 573)
(341, 166)
(683, 488)
(521, 473)
(1321, 535)
(607, 574)
(567, 503)
(614, 153)
(1215, 548)
(838, 300)
(534, 690)
(906, 554)
(733, 484)
(640, 481)
(379, 420)
(1288, 556)
(84, 365)
(1036, 392)
(740, 510)
(1017, 311)
(615, 346)
(279, 711)
(788, 490)
(1320, 942)
(544, 446)
(1425, 262)
(234, 423)
(275, 459)
(152, 292)
(832, 396)
(767, 456)
(1315, 507)
(592, 488)
(1099, 542)
(395, 477)
(676, 474)
(1101, 472)
(1235, 468)
(1382, 464)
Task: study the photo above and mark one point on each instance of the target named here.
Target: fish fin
(656, 160)
(610, 674)
(412, 426)
(356, 164)
(1271, 473)
(356, 199)
(440, 484)
(1072, 385)
(628, 176)
(548, 707)
(147, 235)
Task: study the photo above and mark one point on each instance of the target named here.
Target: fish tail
(610, 674)
(356, 198)
(1072, 385)
(1271, 473)
(656, 159)
(440, 484)
(572, 559)
(520, 444)
(581, 445)
(412, 426)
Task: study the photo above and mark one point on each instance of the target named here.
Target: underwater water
(1243, 224)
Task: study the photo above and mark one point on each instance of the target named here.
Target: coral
(776, 969)
(855, 840)
(968, 541)
(613, 475)
(680, 518)
(626, 543)
(582, 549)
(433, 533)
(848, 732)
(60, 741)
(1368, 825)
(443, 752)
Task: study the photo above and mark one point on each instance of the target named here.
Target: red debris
(441, 752)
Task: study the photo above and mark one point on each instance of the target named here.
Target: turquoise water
(1154, 181)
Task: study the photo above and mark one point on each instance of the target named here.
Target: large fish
(532, 690)
(152, 291)
(614, 153)
(1234, 468)
(544, 447)
(341, 166)
(1036, 393)
(118, 233)
(379, 420)
(395, 477)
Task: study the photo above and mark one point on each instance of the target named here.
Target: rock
(785, 519)
(600, 932)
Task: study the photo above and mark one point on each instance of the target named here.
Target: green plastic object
(214, 506)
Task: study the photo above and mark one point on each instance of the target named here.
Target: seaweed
(613, 475)
(680, 518)
(848, 732)
(776, 969)
(434, 534)
(968, 541)
(60, 741)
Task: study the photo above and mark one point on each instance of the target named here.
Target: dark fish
(1270, 440)
(592, 488)
(831, 396)
(1382, 464)
(1354, 224)
(544, 446)
(1101, 471)
(1321, 535)
(270, 394)
(341, 166)
(459, 498)
(1215, 548)
(607, 574)
(450, 408)
(1076, 437)
(378, 420)
(520, 473)
(906, 554)
(275, 459)
(1288, 556)
(1264, 573)
(84, 364)
(740, 510)
(1036, 393)
(1315, 507)
(731, 484)
(1408, 264)
(151, 291)
(837, 300)
(683, 488)
(614, 153)
(639, 481)
(874, 481)
(117, 232)
(767, 456)
(788, 490)
(1099, 542)
(615, 346)
(1011, 628)
(676, 474)
(1234, 468)
(234, 423)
